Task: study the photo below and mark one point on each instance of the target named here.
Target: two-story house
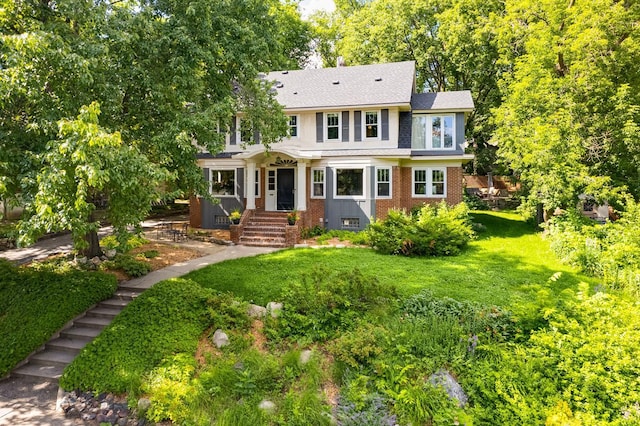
(361, 142)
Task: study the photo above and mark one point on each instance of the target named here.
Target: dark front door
(285, 189)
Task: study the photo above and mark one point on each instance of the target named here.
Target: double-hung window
(371, 125)
(223, 182)
(293, 126)
(349, 183)
(383, 182)
(246, 132)
(429, 182)
(333, 126)
(433, 132)
(317, 183)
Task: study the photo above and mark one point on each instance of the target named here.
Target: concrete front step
(93, 322)
(68, 344)
(77, 331)
(114, 303)
(101, 312)
(124, 293)
(52, 357)
(263, 244)
(47, 372)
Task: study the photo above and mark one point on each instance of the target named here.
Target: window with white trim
(246, 132)
(383, 182)
(432, 132)
(222, 182)
(332, 120)
(371, 126)
(349, 183)
(429, 182)
(293, 126)
(317, 183)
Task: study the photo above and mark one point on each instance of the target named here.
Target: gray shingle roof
(442, 101)
(379, 84)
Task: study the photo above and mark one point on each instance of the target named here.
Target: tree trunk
(93, 249)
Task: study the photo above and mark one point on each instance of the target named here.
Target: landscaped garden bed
(373, 339)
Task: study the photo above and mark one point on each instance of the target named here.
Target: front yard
(362, 338)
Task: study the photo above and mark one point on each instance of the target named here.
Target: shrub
(124, 243)
(323, 304)
(476, 319)
(474, 202)
(427, 231)
(164, 320)
(610, 251)
(129, 264)
(311, 232)
(583, 367)
(36, 304)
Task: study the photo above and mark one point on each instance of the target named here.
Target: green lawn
(508, 263)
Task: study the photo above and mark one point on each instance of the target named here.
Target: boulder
(256, 311)
(305, 356)
(274, 309)
(144, 404)
(220, 338)
(451, 386)
(267, 406)
(96, 260)
(111, 253)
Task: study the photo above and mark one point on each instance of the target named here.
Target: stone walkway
(29, 401)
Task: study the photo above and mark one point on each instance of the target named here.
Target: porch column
(251, 185)
(301, 192)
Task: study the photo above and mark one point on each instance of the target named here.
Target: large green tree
(569, 120)
(454, 44)
(168, 75)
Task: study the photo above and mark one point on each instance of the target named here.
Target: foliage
(474, 202)
(85, 162)
(360, 238)
(162, 73)
(235, 216)
(453, 42)
(322, 304)
(431, 231)
(569, 120)
(490, 321)
(573, 370)
(130, 265)
(314, 231)
(374, 412)
(166, 319)
(132, 242)
(36, 304)
(610, 251)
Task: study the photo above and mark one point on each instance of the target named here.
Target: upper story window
(246, 132)
(433, 132)
(293, 126)
(223, 182)
(371, 127)
(349, 183)
(333, 126)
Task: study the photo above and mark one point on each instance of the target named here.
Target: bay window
(432, 132)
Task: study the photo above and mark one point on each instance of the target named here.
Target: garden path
(28, 401)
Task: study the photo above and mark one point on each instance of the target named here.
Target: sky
(307, 7)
